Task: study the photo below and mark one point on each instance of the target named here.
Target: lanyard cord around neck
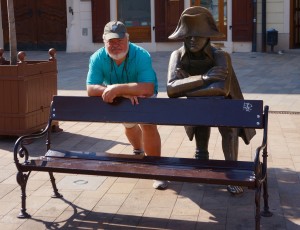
(112, 67)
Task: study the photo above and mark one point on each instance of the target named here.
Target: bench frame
(213, 112)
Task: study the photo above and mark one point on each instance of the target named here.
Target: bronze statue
(198, 69)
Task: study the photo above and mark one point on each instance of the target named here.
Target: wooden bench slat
(146, 171)
(141, 159)
(160, 111)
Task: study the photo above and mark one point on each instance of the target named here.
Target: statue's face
(194, 43)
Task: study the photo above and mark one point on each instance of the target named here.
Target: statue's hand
(217, 73)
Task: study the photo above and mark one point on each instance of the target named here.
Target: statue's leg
(230, 142)
(202, 135)
(230, 145)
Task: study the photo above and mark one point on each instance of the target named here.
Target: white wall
(79, 31)
(278, 18)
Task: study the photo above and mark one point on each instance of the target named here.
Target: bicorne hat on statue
(196, 21)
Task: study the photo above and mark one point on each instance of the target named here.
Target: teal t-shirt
(136, 68)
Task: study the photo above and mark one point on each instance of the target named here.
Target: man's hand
(217, 73)
(110, 93)
(134, 99)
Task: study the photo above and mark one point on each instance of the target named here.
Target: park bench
(213, 112)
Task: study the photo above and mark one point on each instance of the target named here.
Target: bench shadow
(7, 142)
(66, 140)
(85, 219)
(218, 209)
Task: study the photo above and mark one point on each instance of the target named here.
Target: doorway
(295, 24)
(136, 15)
(242, 20)
(40, 24)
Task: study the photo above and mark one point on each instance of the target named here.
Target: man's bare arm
(95, 90)
(129, 90)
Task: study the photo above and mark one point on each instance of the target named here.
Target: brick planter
(26, 91)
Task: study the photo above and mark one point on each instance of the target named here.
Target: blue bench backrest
(162, 111)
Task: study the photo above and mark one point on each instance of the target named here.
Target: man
(198, 69)
(123, 69)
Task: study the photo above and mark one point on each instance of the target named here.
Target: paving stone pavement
(92, 202)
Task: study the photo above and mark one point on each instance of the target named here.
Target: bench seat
(162, 168)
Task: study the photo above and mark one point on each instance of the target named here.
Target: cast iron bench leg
(22, 181)
(56, 194)
(266, 212)
(257, 204)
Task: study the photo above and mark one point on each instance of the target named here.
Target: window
(218, 8)
(136, 15)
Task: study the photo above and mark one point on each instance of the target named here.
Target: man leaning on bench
(122, 86)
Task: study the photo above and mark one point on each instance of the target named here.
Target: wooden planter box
(26, 91)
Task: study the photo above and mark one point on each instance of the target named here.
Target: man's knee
(150, 131)
(149, 128)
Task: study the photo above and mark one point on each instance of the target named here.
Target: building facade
(77, 25)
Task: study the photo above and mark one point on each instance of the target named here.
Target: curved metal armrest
(260, 168)
(19, 148)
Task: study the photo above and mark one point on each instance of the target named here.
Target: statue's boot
(235, 190)
(202, 135)
(201, 155)
(230, 145)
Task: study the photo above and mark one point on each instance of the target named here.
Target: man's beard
(119, 55)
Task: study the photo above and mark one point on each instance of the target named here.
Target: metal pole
(263, 26)
(12, 32)
(254, 29)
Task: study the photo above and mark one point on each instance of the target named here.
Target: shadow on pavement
(219, 210)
